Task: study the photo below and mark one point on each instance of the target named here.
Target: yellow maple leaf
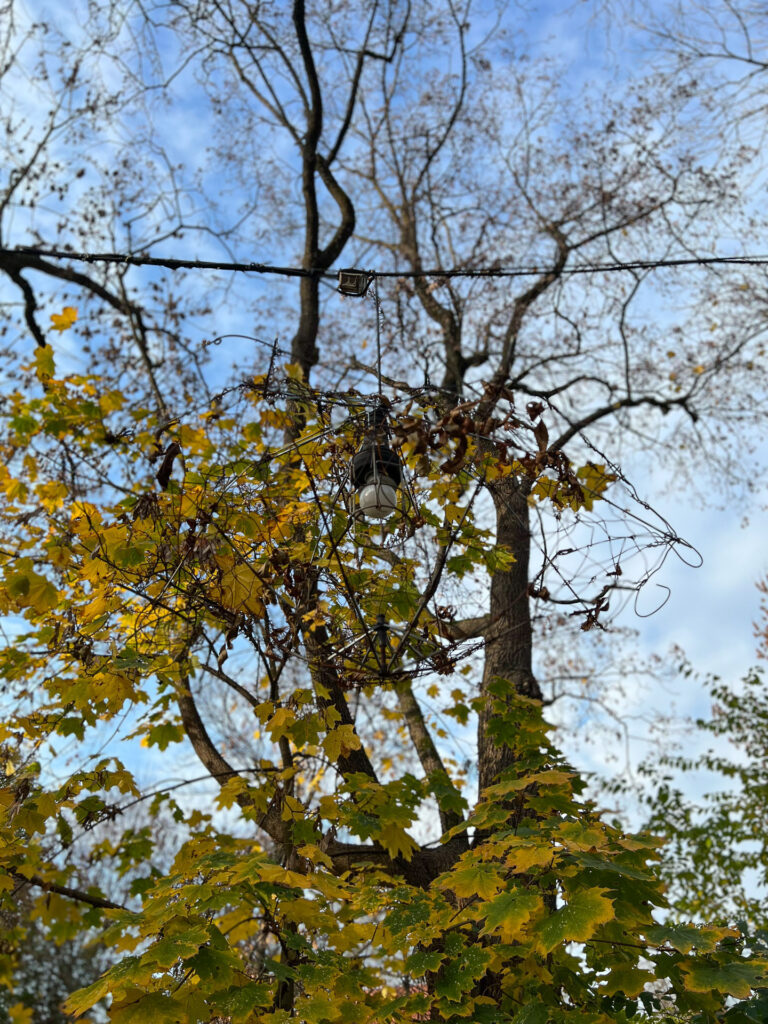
(340, 742)
(20, 1014)
(63, 321)
(473, 879)
(397, 842)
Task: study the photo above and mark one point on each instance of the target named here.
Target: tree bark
(509, 637)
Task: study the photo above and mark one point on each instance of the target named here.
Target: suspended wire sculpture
(377, 654)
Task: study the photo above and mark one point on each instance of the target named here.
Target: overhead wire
(251, 267)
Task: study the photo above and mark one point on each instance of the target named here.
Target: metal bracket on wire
(354, 282)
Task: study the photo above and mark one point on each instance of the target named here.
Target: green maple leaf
(459, 975)
(240, 1003)
(407, 914)
(171, 948)
(736, 978)
(685, 937)
(423, 960)
(112, 982)
(626, 978)
(507, 913)
(534, 1013)
(577, 921)
(155, 1006)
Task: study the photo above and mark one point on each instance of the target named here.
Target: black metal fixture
(371, 648)
(376, 472)
(354, 282)
(380, 649)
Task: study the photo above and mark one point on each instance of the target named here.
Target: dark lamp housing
(375, 460)
(376, 474)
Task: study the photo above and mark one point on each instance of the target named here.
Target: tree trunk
(304, 343)
(509, 636)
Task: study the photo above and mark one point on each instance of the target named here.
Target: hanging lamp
(376, 472)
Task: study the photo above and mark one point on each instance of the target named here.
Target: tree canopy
(384, 829)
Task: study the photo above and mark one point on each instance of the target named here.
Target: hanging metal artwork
(385, 652)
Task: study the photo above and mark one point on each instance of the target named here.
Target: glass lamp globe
(378, 500)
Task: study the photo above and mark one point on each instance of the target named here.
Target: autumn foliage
(332, 878)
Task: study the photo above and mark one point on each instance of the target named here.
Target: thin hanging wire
(377, 307)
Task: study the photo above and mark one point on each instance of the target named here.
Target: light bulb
(378, 500)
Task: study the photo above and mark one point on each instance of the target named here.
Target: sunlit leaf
(63, 321)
